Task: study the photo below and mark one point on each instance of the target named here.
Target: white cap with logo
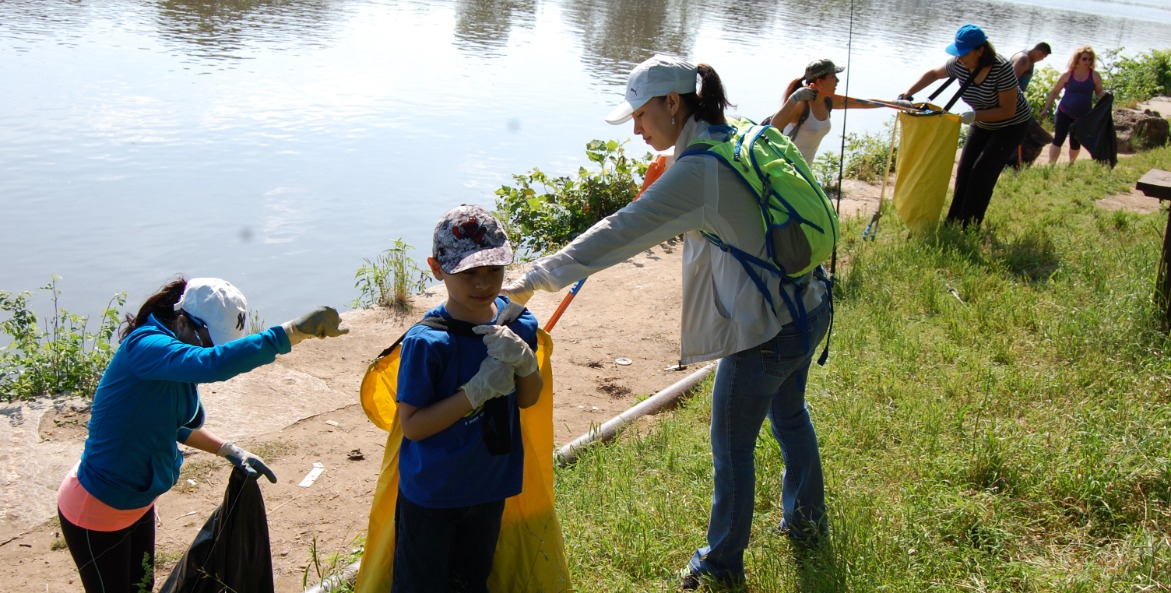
(217, 304)
(655, 77)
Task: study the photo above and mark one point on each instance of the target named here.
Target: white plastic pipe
(652, 405)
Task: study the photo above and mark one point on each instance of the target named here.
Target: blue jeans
(768, 380)
(444, 550)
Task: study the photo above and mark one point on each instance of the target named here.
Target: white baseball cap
(655, 77)
(218, 305)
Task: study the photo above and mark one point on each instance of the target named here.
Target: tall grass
(995, 416)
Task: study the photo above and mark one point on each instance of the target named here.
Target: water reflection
(615, 36)
(482, 26)
(234, 29)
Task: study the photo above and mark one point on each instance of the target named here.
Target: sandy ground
(303, 410)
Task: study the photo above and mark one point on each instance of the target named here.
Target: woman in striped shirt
(999, 118)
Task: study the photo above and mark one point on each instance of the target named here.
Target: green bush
(867, 154)
(1133, 80)
(543, 213)
(61, 357)
(389, 279)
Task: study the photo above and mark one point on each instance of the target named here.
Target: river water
(279, 143)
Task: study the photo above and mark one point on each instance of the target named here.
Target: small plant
(390, 279)
(867, 154)
(541, 213)
(255, 322)
(61, 357)
(825, 169)
(330, 570)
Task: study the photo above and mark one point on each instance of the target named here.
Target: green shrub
(542, 213)
(62, 357)
(867, 154)
(389, 279)
(1133, 80)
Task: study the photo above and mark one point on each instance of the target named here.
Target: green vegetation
(389, 279)
(62, 356)
(542, 213)
(994, 416)
(330, 571)
(1133, 80)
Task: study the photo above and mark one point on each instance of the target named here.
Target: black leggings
(1061, 130)
(113, 561)
(984, 156)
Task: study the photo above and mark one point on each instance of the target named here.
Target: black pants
(113, 561)
(444, 550)
(983, 158)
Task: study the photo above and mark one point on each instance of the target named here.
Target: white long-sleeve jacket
(723, 311)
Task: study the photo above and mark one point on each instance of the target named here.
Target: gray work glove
(507, 347)
(246, 461)
(904, 104)
(968, 117)
(321, 322)
(494, 379)
(803, 94)
(519, 291)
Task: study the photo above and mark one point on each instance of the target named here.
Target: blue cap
(969, 37)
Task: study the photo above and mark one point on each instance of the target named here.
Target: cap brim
(500, 256)
(220, 336)
(621, 114)
(955, 51)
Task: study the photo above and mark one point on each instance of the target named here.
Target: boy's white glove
(504, 345)
(246, 461)
(518, 291)
(967, 117)
(494, 379)
(803, 94)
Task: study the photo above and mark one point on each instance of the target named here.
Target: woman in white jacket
(765, 354)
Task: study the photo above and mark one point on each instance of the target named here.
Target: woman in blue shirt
(189, 332)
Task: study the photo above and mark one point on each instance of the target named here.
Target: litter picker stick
(875, 102)
(872, 228)
(563, 306)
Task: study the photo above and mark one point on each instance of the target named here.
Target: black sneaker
(692, 581)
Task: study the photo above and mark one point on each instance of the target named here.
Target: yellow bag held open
(530, 551)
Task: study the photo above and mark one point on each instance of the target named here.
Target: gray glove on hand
(246, 461)
(803, 94)
(321, 322)
(518, 291)
(967, 117)
(507, 347)
(904, 104)
(494, 379)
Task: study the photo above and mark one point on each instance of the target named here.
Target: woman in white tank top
(804, 116)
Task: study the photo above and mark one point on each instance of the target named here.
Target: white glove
(967, 117)
(507, 347)
(904, 104)
(803, 94)
(519, 291)
(246, 461)
(494, 379)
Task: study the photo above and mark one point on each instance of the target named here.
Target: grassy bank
(994, 417)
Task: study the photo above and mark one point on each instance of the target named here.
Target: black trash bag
(231, 553)
(1036, 139)
(1095, 130)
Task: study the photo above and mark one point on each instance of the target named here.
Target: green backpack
(797, 217)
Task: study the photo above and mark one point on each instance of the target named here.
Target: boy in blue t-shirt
(451, 485)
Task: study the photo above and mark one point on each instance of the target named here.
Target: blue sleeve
(420, 362)
(155, 355)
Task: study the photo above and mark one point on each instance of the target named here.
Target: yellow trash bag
(927, 150)
(530, 552)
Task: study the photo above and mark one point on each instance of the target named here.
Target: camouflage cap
(468, 237)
